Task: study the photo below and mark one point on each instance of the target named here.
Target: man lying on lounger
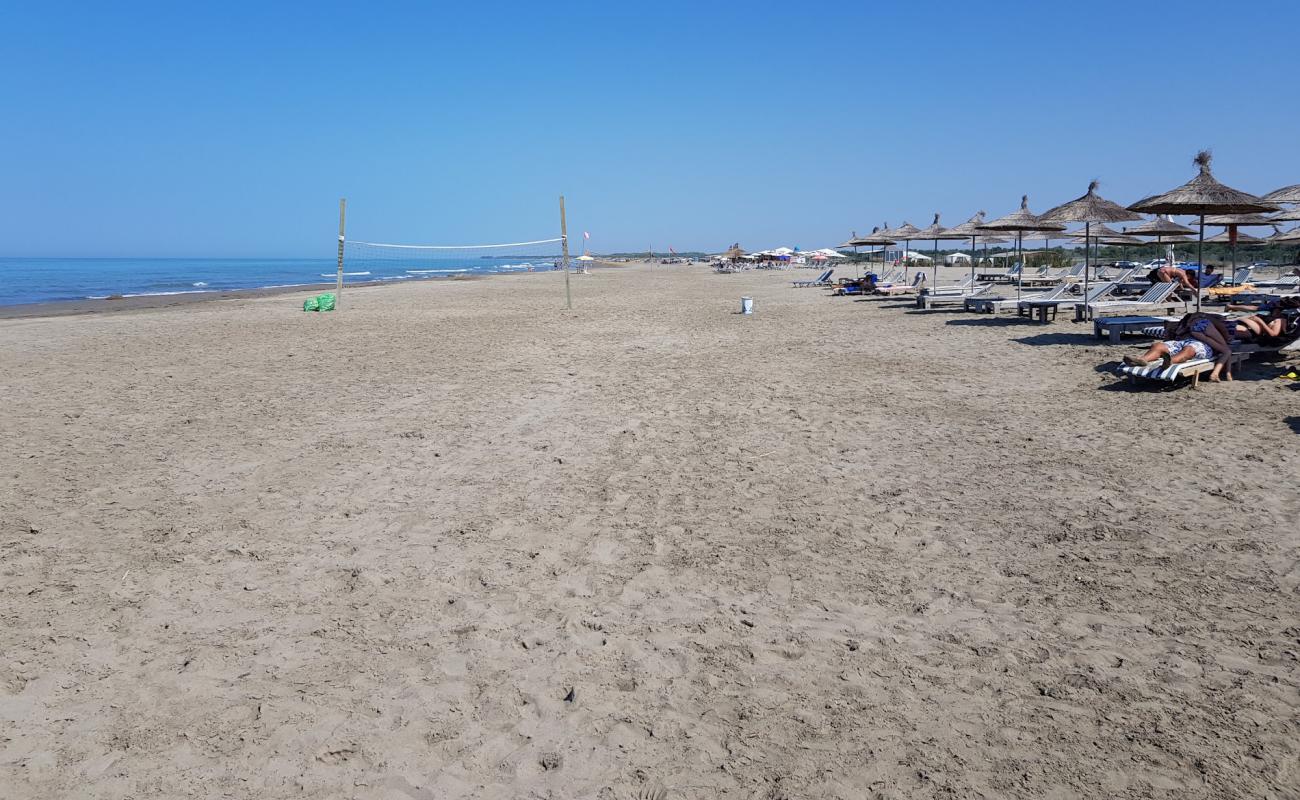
(1194, 336)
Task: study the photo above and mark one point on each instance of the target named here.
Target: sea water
(39, 280)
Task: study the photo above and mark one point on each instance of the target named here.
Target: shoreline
(69, 308)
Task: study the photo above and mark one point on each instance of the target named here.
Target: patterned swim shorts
(1176, 346)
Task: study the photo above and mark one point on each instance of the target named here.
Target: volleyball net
(360, 260)
(383, 261)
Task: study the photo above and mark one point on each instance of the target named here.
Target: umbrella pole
(907, 243)
(1200, 262)
(972, 260)
(1233, 273)
(934, 262)
(1087, 231)
(1020, 259)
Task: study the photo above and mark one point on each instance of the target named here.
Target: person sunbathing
(1172, 275)
(1275, 319)
(1196, 335)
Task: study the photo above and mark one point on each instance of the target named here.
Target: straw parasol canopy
(1159, 227)
(1097, 231)
(873, 239)
(734, 253)
(906, 233)
(1227, 238)
(1118, 241)
(1202, 195)
(936, 233)
(973, 229)
(1287, 194)
(1091, 209)
(1021, 221)
(1285, 215)
(1243, 220)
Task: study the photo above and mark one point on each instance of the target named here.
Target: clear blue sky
(233, 128)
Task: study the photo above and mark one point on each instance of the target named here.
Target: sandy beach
(457, 542)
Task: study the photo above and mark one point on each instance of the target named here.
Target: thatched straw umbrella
(936, 233)
(1287, 194)
(1090, 209)
(907, 232)
(1164, 230)
(971, 229)
(1231, 222)
(1227, 238)
(1200, 196)
(1285, 215)
(876, 238)
(1102, 235)
(734, 253)
(1021, 221)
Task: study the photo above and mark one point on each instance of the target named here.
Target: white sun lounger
(992, 305)
(1039, 308)
(1160, 297)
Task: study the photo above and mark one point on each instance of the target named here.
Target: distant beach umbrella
(970, 229)
(1287, 194)
(876, 239)
(905, 232)
(1165, 231)
(1231, 222)
(734, 253)
(1090, 209)
(936, 233)
(1201, 196)
(1158, 227)
(1227, 238)
(1018, 222)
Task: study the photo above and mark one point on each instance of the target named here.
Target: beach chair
(1286, 282)
(918, 282)
(1188, 369)
(929, 301)
(1040, 308)
(1160, 297)
(964, 286)
(992, 305)
(823, 279)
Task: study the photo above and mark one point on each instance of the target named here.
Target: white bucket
(747, 305)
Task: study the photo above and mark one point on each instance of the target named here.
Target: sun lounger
(946, 299)
(1290, 282)
(992, 305)
(823, 279)
(1112, 328)
(1193, 369)
(1160, 297)
(1040, 308)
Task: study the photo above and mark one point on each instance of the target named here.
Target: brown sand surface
(455, 542)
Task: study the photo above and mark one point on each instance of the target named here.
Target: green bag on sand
(310, 304)
(325, 302)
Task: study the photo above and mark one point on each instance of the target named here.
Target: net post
(564, 249)
(338, 282)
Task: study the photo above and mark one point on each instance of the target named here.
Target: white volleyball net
(380, 261)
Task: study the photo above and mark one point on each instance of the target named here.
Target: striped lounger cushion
(1155, 372)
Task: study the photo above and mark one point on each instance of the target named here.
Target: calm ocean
(39, 280)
